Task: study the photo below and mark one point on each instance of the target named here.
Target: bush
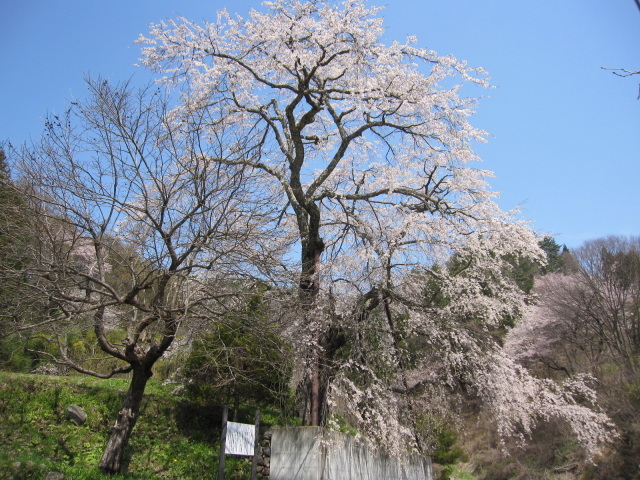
(241, 360)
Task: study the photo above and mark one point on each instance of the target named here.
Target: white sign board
(241, 439)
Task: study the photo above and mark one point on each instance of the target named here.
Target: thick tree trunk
(309, 290)
(111, 461)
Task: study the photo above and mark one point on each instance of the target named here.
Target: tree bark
(111, 461)
(309, 290)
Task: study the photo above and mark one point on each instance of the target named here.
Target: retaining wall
(313, 453)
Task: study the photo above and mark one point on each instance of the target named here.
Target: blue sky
(565, 142)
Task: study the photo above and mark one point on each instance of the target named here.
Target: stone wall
(264, 456)
(313, 453)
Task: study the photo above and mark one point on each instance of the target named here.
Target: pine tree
(14, 240)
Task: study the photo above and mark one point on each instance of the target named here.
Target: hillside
(172, 440)
(177, 439)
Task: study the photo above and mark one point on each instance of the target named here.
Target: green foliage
(454, 472)
(168, 365)
(555, 257)
(174, 439)
(441, 436)
(241, 360)
(446, 451)
(433, 290)
(18, 352)
(35, 428)
(633, 392)
(13, 356)
(340, 424)
(13, 233)
(81, 346)
(524, 270)
(444, 448)
(17, 299)
(23, 353)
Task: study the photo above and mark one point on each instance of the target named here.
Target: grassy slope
(172, 440)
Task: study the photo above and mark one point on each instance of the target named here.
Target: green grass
(173, 438)
(455, 473)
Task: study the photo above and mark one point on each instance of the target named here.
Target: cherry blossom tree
(368, 147)
(588, 317)
(141, 232)
(441, 331)
(584, 321)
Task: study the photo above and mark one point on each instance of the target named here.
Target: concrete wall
(313, 453)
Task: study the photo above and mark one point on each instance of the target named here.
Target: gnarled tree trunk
(111, 461)
(309, 290)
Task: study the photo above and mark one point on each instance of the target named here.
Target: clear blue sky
(565, 142)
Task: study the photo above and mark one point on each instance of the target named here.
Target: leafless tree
(609, 279)
(141, 230)
(591, 317)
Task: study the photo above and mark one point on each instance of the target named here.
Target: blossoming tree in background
(587, 317)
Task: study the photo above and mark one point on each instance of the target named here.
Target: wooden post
(223, 442)
(256, 448)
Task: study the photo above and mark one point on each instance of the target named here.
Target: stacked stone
(50, 369)
(264, 457)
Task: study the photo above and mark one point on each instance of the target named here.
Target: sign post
(256, 447)
(239, 439)
(223, 442)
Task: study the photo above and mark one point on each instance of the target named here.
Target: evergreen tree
(16, 243)
(14, 240)
(555, 259)
(240, 359)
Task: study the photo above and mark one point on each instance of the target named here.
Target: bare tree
(145, 224)
(592, 314)
(608, 294)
